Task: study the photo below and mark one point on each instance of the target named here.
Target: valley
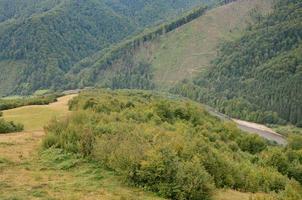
(136, 99)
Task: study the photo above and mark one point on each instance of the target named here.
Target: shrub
(9, 127)
(70, 135)
(274, 157)
(295, 142)
(252, 143)
(194, 181)
(173, 148)
(293, 191)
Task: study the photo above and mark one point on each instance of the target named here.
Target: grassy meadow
(34, 117)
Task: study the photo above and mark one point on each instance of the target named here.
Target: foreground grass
(53, 174)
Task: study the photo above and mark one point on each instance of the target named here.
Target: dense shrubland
(258, 76)
(174, 147)
(9, 127)
(6, 104)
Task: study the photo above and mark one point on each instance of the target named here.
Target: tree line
(257, 77)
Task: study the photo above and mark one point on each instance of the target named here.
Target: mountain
(243, 57)
(258, 76)
(243, 62)
(41, 40)
(168, 58)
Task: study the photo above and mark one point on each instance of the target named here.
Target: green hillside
(12, 9)
(173, 147)
(41, 40)
(50, 42)
(258, 76)
(189, 50)
(176, 55)
(145, 12)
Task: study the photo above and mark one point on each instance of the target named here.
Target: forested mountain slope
(164, 60)
(40, 40)
(12, 9)
(146, 12)
(258, 76)
(45, 45)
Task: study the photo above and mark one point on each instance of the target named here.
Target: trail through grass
(26, 172)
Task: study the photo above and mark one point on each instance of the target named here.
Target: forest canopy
(257, 77)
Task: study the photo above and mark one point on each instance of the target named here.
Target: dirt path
(36, 116)
(18, 146)
(261, 130)
(250, 127)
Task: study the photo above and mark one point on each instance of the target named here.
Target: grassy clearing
(35, 117)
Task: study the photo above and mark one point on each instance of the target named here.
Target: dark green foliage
(252, 143)
(258, 76)
(132, 76)
(9, 127)
(42, 40)
(145, 13)
(171, 146)
(54, 40)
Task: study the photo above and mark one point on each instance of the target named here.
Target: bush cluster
(9, 127)
(172, 147)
